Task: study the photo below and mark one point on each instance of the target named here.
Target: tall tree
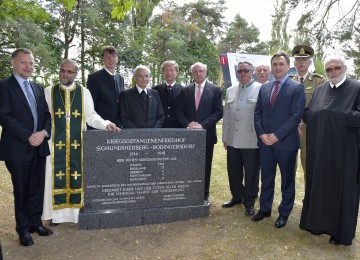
(279, 35)
(188, 34)
(26, 24)
(241, 37)
(325, 18)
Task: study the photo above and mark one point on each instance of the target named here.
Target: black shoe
(249, 210)
(261, 215)
(281, 221)
(334, 241)
(231, 203)
(41, 230)
(26, 239)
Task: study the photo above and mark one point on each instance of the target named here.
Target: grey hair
(248, 63)
(141, 67)
(332, 58)
(74, 63)
(199, 64)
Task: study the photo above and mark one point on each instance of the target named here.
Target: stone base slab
(135, 217)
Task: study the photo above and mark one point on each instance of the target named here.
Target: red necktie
(198, 97)
(275, 93)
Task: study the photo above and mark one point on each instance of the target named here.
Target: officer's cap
(302, 51)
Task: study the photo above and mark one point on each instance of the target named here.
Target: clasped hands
(37, 138)
(269, 139)
(194, 125)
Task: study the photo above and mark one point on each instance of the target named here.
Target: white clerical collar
(338, 84)
(70, 87)
(108, 71)
(140, 89)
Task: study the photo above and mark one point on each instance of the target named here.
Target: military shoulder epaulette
(318, 75)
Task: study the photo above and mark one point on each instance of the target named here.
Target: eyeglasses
(301, 58)
(243, 71)
(336, 68)
(68, 71)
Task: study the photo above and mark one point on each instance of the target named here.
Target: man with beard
(331, 200)
(71, 107)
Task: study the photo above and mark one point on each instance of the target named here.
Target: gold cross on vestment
(75, 175)
(60, 145)
(75, 144)
(60, 174)
(59, 113)
(75, 113)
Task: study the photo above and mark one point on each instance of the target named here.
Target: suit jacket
(105, 95)
(17, 121)
(238, 122)
(283, 117)
(134, 114)
(210, 109)
(170, 102)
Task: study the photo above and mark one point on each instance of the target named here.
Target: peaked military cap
(302, 51)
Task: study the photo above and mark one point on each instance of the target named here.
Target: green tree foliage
(279, 35)
(187, 34)
(241, 37)
(26, 24)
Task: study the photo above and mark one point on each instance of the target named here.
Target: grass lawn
(225, 234)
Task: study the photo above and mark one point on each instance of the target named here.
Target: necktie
(198, 97)
(275, 93)
(301, 80)
(117, 88)
(168, 87)
(144, 97)
(32, 103)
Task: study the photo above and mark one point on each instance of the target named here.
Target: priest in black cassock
(331, 200)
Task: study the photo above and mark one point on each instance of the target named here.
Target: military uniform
(311, 81)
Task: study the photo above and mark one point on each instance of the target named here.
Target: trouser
(238, 162)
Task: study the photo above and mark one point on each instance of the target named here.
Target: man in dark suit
(278, 112)
(105, 86)
(141, 106)
(170, 92)
(26, 124)
(201, 108)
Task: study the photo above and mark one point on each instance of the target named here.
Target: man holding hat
(303, 55)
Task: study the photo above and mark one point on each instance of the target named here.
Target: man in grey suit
(141, 106)
(201, 108)
(240, 140)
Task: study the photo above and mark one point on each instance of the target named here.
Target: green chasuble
(68, 122)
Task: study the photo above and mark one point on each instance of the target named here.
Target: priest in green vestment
(71, 107)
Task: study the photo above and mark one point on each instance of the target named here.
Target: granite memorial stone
(143, 176)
